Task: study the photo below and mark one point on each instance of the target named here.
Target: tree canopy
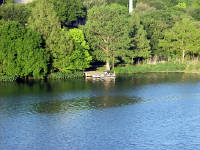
(139, 45)
(182, 39)
(21, 52)
(107, 32)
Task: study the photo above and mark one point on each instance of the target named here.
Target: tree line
(49, 36)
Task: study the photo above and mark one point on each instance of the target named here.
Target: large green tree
(57, 41)
(44, 20)
(80, 58)
(21, 52)
(182, 40)
(140, 45)
(155, 23)
(107, 32)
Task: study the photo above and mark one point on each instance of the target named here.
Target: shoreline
(162, 72)
(31, 79)
(169, 67)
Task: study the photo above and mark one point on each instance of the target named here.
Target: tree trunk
(107, 64)
(113, 62)
(132, 62)
(183, 56)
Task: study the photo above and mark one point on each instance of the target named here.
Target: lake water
(154, 111)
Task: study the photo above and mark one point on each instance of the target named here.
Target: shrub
(8, 78)
(60, 75)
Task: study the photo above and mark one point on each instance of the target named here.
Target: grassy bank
(64, 76)
(188, 67)
(53, 76)
(160, 67)
(7, 78)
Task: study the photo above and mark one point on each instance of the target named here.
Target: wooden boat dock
(99, 74)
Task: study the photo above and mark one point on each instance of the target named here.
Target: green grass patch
(64, 76)
(7, 78)
(192, 68)
(161, 67)
(101, 69)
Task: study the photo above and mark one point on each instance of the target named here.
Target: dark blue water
(156, 111)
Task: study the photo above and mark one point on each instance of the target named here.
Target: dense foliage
(15, 12)
(57, 42)
(21, 53)
(69, 11)
(68, 50)
(139, 48)
(58, 39)
(108, 37)
(80, 58)
(181, 40)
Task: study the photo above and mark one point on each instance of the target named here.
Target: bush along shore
(7, 78)
(65, 76)
(52, 76)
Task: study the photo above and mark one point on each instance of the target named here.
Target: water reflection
(87, 115)
(81, 104)
(38, 88)
(73, 95)
(107, 82)
(41, 87)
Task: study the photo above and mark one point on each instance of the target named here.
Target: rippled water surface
(156, 111)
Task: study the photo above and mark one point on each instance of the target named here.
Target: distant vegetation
(59, 39)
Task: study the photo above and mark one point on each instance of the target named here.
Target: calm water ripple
(155, 111)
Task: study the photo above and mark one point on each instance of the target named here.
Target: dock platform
(99, 74)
